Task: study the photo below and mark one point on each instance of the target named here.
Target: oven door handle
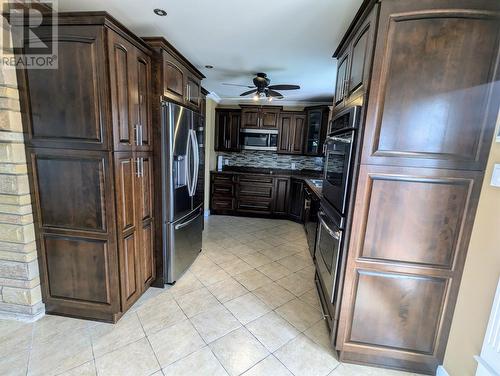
(334, 234)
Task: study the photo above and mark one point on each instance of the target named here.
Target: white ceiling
(290, 40)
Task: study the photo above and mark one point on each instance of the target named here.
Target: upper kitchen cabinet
(291, 132)
(175, 77)
(354, 60)
(266, 117)
(99, 95)
(315, 130)
(227, 130)
(434, 95)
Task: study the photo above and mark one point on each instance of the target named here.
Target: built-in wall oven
(340, 148)
(259, 139)
(327, 258)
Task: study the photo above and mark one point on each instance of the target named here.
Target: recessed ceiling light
(209, 66)
(160, 12)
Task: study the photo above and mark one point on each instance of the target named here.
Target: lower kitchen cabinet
(282, 196)
(95, 229)
(296, 210)
(257, 194)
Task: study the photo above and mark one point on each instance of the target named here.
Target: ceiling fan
(262, 89)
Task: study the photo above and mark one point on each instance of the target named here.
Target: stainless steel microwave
(259, 139)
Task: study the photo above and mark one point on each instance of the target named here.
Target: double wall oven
(340, 150)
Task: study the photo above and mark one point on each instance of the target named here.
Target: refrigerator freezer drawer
(184, 244)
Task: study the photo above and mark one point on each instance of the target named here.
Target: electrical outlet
(495, 177)
(293, 166)
(226, 162)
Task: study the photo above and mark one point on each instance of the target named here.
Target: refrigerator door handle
(187, 169)
(196, 154)
(184, 224)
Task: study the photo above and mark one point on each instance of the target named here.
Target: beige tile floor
(247, 306)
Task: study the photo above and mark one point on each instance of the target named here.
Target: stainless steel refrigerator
(182, 168)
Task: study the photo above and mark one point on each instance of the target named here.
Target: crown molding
(213, 96)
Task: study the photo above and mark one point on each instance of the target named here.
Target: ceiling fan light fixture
(160, 12)
(256, 97)
(270, 99)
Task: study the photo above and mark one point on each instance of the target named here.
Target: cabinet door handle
(142, 167)
(136, 131)
(138, 167)
(141, 137)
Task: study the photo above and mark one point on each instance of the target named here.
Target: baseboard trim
(441, 371)
(21, 317)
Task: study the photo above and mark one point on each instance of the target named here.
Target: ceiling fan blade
(284, 87)
(249, 86)
(248, 92)
(274, 94)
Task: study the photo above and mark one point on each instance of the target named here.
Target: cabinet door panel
(285, 131)
(121, 62)
(281, 196)
(250, 118)
(433, 101)
(127, 197)
(142, 101)
(145, 220)
(78, 268)
(234, 131)
(296, 199)
(174, 79)
(297, 139)
(341, 77)
(71, 190)
(269, 118)
(408, 319)
(71, 116)
(193, 91)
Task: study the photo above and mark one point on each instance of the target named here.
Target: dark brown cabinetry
(89, 133)
(177, 78)
(227, 130)
(296, 209)
(428, 128)
(266, 117)
(257, 194)
(354, 60)
(315, 130)
(291, 132)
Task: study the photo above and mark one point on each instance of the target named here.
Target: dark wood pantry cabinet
(428, 127)
(88, 127)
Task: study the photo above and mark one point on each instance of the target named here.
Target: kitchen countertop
(315, 190)
(303, 174)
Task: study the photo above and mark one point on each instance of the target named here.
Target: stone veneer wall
(20, 293)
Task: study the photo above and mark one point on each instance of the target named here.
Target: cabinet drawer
(222, 178)
(255, 190)
(223, 189)
(248, 204)
(219, 203)
(256, 179)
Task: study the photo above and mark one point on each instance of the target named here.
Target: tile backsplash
(269, 159)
